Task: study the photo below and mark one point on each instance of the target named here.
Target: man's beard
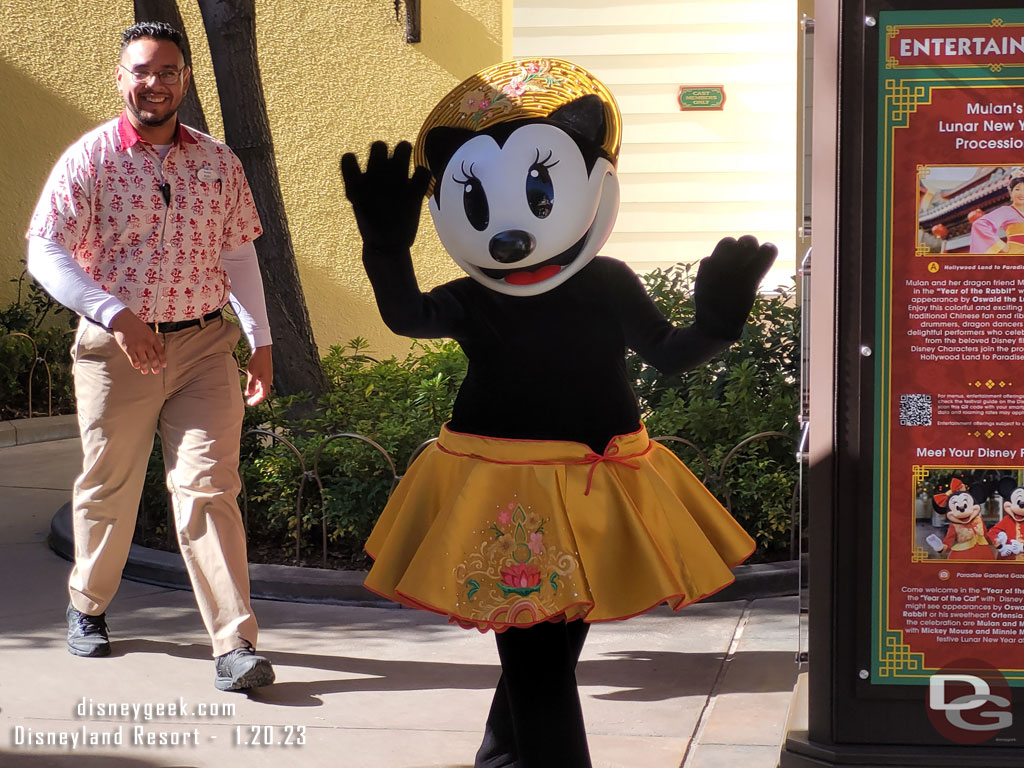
(150, 122)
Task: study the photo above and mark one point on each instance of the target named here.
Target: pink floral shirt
(103, 202)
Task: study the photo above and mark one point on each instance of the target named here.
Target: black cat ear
(584, 116)
(441, 143)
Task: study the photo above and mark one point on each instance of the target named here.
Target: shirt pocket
(204, 213)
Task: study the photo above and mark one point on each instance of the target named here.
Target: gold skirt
(496, 533)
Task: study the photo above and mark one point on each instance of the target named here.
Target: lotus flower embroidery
(521, 576)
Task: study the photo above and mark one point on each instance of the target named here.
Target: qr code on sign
(915, 410)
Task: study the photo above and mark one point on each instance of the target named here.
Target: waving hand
(726, 285)
(385, 199)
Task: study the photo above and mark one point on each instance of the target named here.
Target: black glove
(386, 201)
(726, 285)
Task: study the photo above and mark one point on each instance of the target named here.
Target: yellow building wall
(336, 76)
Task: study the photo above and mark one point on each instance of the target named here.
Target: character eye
(473, 199)
(540, 194)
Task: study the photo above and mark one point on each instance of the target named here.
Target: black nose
(511, 246)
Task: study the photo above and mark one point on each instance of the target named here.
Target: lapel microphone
(165, 190)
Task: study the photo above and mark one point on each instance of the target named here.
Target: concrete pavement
(709, 687)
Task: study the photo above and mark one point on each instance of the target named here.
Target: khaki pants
(196, 403)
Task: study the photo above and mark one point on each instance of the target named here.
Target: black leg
(535, 719)
(577, 632)
(498, 748)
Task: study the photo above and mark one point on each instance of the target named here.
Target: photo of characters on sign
(972, 515)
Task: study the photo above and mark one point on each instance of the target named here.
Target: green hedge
(400, 403)
(751, 388)
(50, 329)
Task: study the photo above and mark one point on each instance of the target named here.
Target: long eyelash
(544, 163)
(470, 176)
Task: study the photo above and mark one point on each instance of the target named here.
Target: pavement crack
(709, 702)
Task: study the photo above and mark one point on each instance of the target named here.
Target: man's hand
(140, 344)
(385, 199)
(259, 375)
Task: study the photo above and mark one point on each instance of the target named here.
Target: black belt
(181, 325)
(177, 325)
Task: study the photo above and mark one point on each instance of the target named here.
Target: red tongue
(529, 278)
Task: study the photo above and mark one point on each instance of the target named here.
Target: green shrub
(400, 403)
(397, 403)
(751, 388)
(35, 336)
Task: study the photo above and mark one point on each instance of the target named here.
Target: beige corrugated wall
(688, 178)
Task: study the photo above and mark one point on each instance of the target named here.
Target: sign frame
(851, 719)
(701, 98)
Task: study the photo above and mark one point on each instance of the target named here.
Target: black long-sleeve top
(550, 366)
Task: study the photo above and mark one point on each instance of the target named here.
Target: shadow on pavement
(640, 675)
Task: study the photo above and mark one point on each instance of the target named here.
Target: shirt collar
(130, 137)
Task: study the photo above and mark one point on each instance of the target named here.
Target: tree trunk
(231, 32)
(191, 110)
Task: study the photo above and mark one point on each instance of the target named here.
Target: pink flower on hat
(515, 87)
(474, 101)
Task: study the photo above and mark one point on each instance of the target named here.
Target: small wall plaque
(701, 97)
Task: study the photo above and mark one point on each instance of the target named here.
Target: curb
(39, 429)
(289, 583)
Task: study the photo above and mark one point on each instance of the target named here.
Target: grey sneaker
(87, 635)
(241, 669)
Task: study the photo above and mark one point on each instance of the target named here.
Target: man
(146, 228)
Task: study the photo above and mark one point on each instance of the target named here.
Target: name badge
(207, 175)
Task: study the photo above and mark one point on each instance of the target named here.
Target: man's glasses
(165, 76)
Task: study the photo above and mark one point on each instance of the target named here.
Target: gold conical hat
(517, 90)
